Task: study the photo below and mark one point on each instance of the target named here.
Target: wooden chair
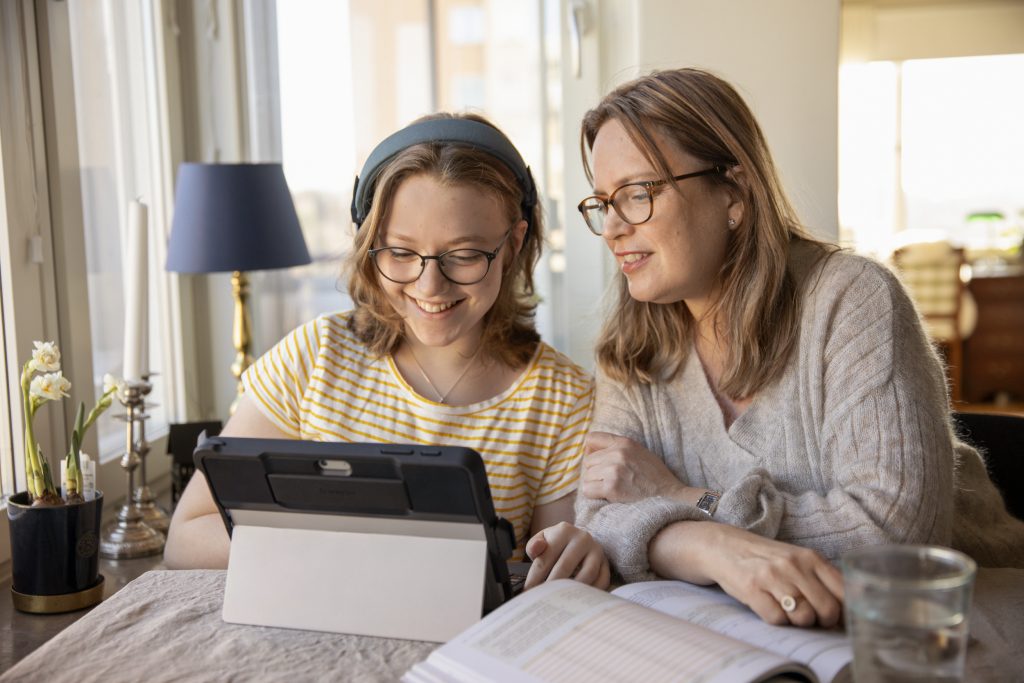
(1001, 437)
(931, 272)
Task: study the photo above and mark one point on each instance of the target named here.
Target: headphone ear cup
(357, 216)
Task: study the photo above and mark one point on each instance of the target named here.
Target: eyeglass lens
(631, 202)
(461, 266)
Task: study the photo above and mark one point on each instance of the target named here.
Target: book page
(828, 653)
(566, 632)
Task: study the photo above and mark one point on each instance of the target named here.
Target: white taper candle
(136, 291)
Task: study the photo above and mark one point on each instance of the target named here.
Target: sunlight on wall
(867, 155)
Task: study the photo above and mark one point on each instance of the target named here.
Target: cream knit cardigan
(852, 445)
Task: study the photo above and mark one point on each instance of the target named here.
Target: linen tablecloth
(166, 626)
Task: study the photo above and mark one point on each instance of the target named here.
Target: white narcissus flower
(50, 387)
(45, 357)
(110, 382)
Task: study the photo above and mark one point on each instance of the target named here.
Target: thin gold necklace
(441, 398)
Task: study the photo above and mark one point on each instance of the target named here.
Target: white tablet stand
(375, 576)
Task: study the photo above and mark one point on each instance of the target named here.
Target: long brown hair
(509, 334)
(757, 309)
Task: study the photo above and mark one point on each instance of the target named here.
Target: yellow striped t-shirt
(320, 383)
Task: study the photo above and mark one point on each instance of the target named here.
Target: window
(26, 275)
(79, 74)
(315, 130)
(387, 64)
(118, 143)
(932, 147)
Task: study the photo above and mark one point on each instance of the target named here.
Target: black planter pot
(54, 554)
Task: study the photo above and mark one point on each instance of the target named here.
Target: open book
(565, 631)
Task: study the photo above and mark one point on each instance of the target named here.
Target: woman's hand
(564, 551)
(762, 573)
(620, 470)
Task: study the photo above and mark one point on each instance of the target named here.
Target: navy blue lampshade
(231, 217)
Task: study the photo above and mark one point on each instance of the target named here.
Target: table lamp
(235, 218)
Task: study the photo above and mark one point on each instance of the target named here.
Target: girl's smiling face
(431, 218)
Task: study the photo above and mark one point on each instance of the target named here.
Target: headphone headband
(461, 131)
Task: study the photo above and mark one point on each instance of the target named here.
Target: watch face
(708, 502)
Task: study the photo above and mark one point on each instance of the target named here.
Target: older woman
(765, 401)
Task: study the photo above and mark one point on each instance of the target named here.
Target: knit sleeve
(884, 444)
(279, 379)
(625, 530)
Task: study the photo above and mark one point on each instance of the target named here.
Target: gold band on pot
(65, 602)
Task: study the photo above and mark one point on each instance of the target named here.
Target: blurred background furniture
(994, 355)
(933, 273)
(181, 443)
(1001, 437)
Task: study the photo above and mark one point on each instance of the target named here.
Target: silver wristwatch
(708, 502)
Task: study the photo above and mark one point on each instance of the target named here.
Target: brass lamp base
(241, 331)
(54, 604)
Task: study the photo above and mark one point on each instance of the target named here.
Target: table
(166, 626)
(22, 633)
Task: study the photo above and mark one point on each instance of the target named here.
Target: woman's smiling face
(678, 254)
(430, 218)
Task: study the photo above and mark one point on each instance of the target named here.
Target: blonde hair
(757, 310)
(509, 334)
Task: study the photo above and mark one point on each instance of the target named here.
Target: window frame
(60, 123)
(26, 246)
(42, 231)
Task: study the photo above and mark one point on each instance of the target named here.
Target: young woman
(765, 402)
(440, 347)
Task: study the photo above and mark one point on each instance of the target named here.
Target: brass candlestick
(128, 535)
(152, 514)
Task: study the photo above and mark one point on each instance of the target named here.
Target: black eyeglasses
(633, 202)
(461, 266)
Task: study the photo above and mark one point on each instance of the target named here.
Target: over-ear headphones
(461, 131)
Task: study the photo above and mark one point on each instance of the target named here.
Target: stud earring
(732, 223)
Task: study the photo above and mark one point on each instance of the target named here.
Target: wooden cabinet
(994, 354)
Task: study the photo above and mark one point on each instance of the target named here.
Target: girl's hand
(564, 551)
(620, 470)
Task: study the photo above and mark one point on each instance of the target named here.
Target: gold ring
(788, 603)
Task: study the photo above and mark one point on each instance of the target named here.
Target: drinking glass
(906, 612)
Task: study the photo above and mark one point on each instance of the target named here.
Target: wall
(875, 30)
(783, 57)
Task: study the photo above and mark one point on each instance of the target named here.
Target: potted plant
(55, 536)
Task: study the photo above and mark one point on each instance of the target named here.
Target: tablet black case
(429, 483)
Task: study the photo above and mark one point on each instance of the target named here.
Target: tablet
(399, 489)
